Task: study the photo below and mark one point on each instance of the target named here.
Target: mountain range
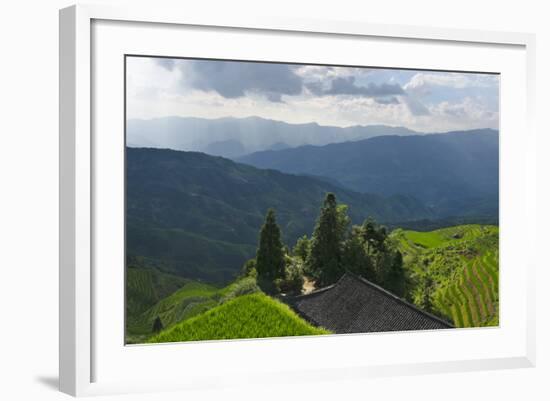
(199, 215)
(454, 174)
(235, 137)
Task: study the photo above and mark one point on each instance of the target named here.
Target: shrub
(293, 281)
(302, 248)
(244, 286)
(249, 268)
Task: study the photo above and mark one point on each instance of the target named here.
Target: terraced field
(456, 269)
(146, 286)
(193, 299)
(247, 316)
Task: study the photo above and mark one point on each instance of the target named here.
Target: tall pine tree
(270, 258)
(325, 257)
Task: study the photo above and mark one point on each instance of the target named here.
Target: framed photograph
(268, 199)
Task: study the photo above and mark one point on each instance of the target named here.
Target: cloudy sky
(421, 100)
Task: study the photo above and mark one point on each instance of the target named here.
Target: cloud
(232, 79)
(321, 73)
(387, 100)
(415, 106)
(423, 83)
(347, 86)
(468, 108)
(434, 92)
(342, 96)
(167, 63)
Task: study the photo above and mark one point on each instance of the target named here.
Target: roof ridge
(380, 289)
(318, 290)
(314, 292)
(392, 295)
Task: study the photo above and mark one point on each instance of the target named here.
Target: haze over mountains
(216, 206)
(198, 215)
(455, 174)
(235, 137)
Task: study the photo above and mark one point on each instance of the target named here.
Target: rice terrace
(269, 200)
(467, 294)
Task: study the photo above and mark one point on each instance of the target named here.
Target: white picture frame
(80, 340)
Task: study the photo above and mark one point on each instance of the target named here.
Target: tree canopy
(270, 257)
(325, 258)
(334, 248)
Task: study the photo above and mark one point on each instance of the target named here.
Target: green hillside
(453, 272)
(199, 215)
(190, 300)
(247, 316)
(145, 286)
(188, 254)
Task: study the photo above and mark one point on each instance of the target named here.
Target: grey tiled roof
(355, 305)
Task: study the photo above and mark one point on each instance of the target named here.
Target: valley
(198, 215)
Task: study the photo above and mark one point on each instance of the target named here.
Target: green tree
(369, 233)
(270, 257)
(325, 257)
(343, 220)
(395, 276)
(385, 262)
(355, 257)
(374, 235)
(157, 325)
(302, 248)
(293, 280)
(423, 294)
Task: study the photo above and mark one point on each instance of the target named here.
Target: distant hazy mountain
(233, 137)
(279, 146)
(199, 215)
(229, 148)
(455, 173)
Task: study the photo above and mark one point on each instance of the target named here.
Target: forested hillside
(198, 216)
(456, 174)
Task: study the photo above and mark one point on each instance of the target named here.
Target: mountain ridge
(245, 135)
(454, 172)
(199, 215)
